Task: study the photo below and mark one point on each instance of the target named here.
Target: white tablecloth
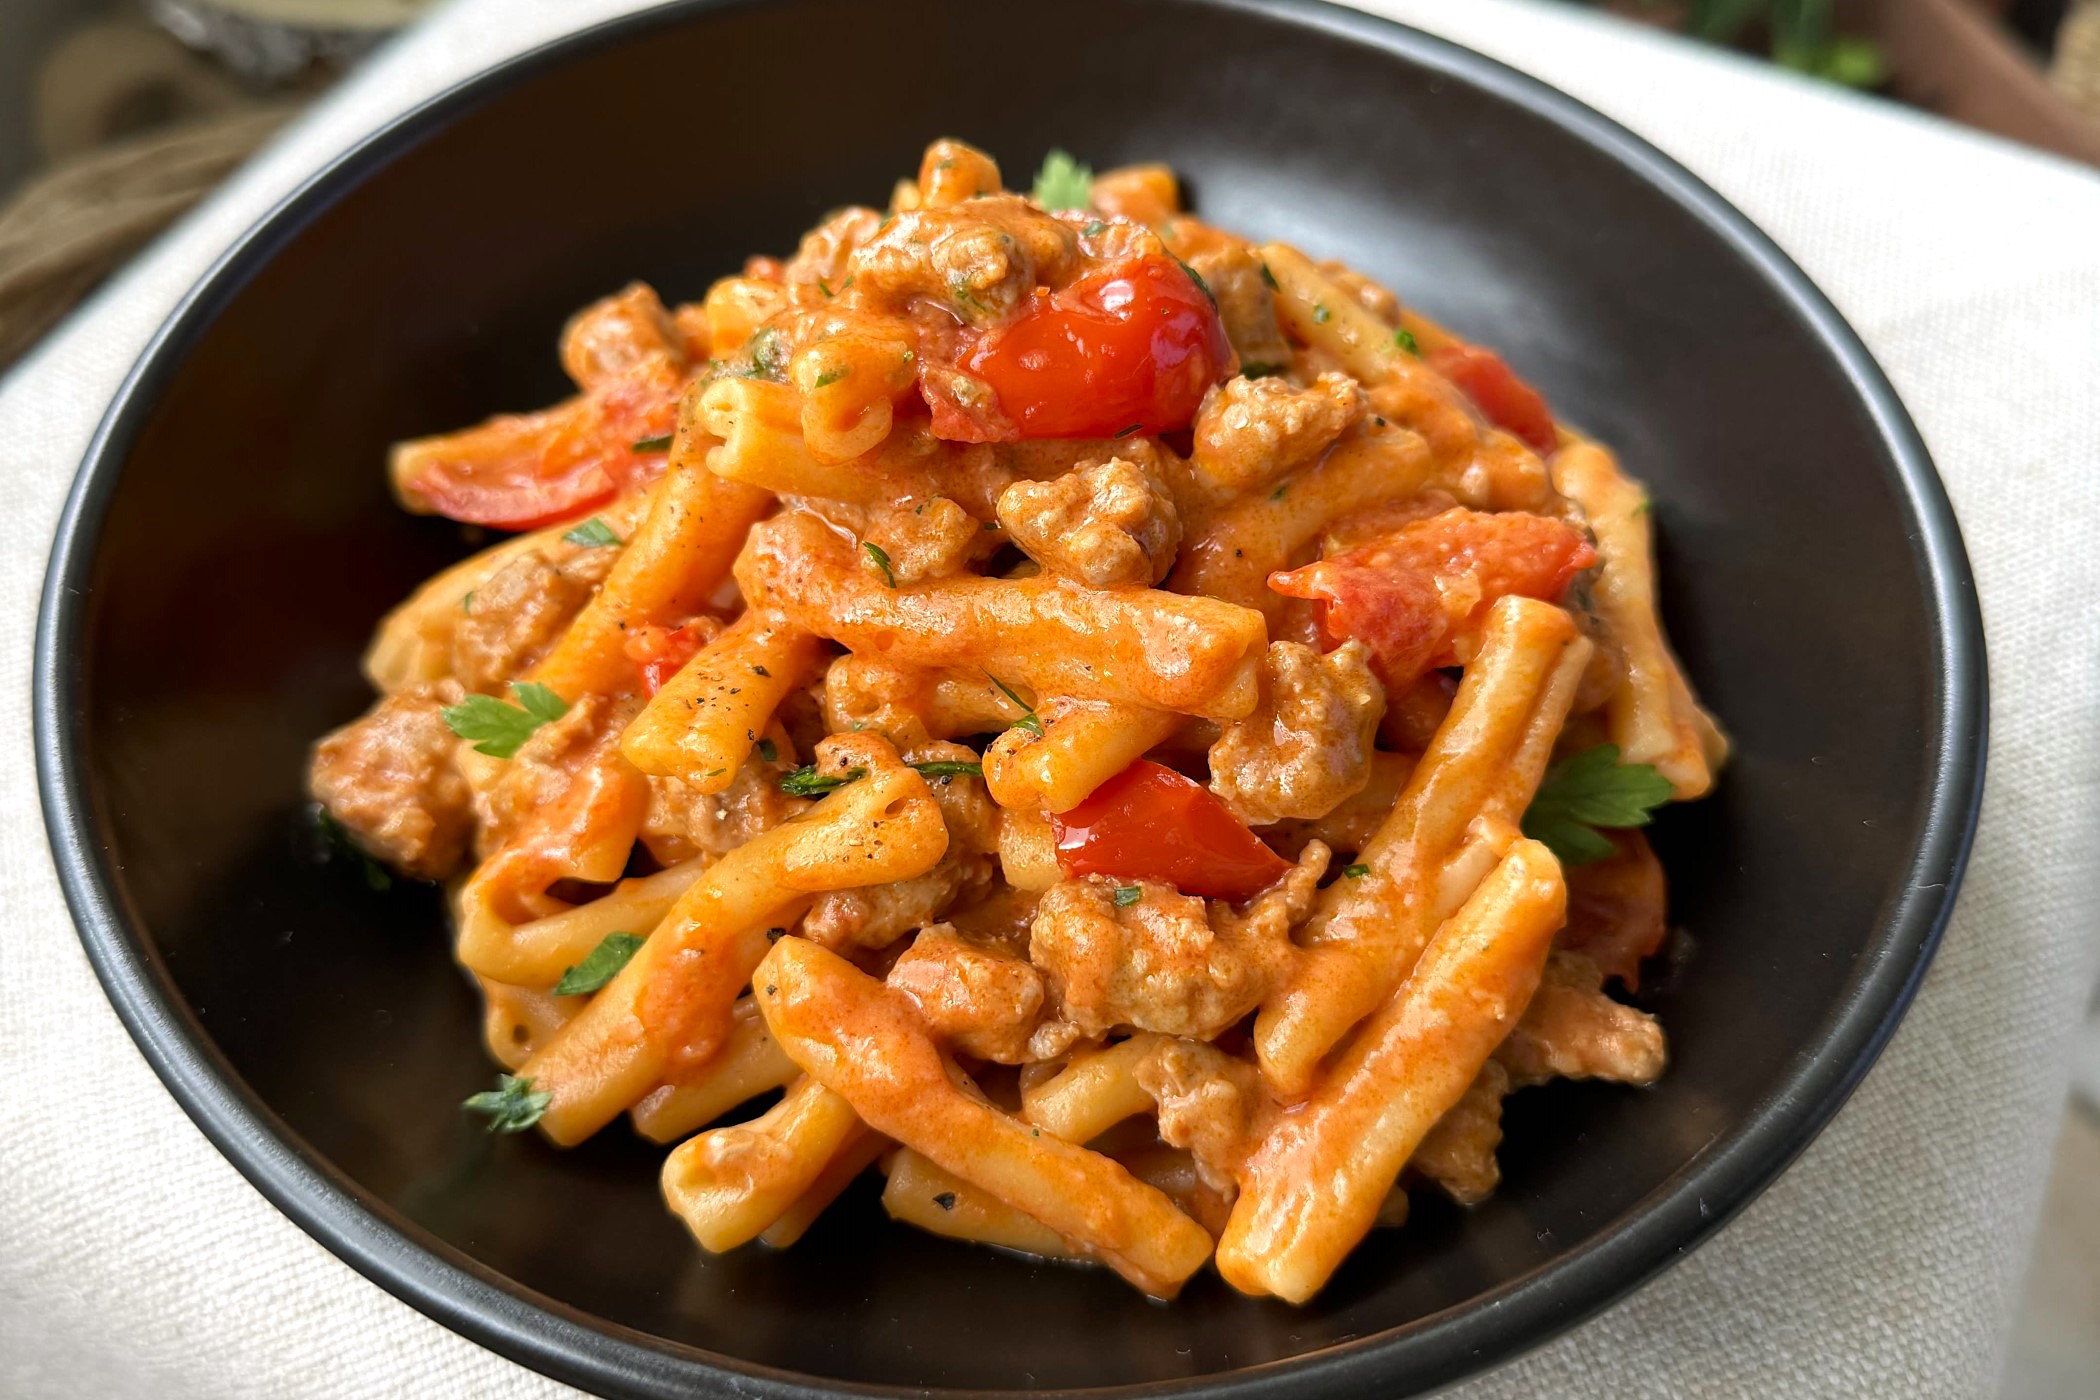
(135, 1261)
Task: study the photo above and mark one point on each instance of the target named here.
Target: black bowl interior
(234, 545)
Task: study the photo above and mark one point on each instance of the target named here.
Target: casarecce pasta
(1128, 732)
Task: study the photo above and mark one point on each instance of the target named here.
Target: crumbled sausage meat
(1306, 747)
(980, 999)
(684, 823)
(1251, 431)
(826, 248)
(1572, 1030)
(1233, 272)
(389, 779)
(511, 621)
(981, 259)
(1210, 1103)
(1106, 525)
(1156, 964)
(1458, 1154)
(619, 335)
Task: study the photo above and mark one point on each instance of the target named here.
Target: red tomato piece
(1151, 823)
(1131, 348)
(1508, 402)
(1407, 596)
(659, 652)
(1615, 908)
(521, 472)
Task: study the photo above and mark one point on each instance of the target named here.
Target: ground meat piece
(1155, 964)
(826, 248)
(972, 818)
(613, 338)
(1233, 272)
(980, 259)
(1572, 1030)
(1251, 431)
(1350, 826)
(923, 540)
(1306, 747)
(983, 1001)
(1458, 1154)
(389, 779)
(512, 620)
(1111, 524)
(1210, 1103)
(683, 823)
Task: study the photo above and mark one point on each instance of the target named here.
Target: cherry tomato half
(524, 471)
(1129, 349)
(1508, 402)
(660, 652)
(1151, 823)
(1407, 594)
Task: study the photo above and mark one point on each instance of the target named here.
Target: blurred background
(117, 115)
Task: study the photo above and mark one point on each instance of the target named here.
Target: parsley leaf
(1127, 895)
(767, 752)
(655, 444)
(592, 534)
(1269, 278)
(824, 287)
(1094, 229)
(768, 358)
(948, 768)
(1356, 872)
(832, 376)
(1201, 285)
(1027, 721)
(500, 729)
(512, 1106)
(1321, 313)
(1405, 340)
(1589, 790)
(881, 557)
(1063, 183)
(806, 781)
(600, 966)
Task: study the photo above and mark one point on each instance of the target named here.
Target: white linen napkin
(134, 1260)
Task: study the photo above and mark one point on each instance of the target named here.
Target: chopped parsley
(833, 375)
(499, 729)
(512, 1106)
(1127, 895)
(655, 444)
(1356, 872)
(592, 534)
(768, 359)
(767, 752)
(1134, 427)
(342, 843)
(949, 768)
(1589, 790)
(1404, 339)
(1278, 493)
(824, 287)
(601, 965)
(1063, 183)
(1268, 277)
(1094, 229)
(806, 781)
(466, 604)
(1260, 369)
(881, 557)
(1321, 313)
(1201, 285)
(1029, 720)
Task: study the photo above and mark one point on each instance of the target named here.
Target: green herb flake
(1094, 229)
(1063, 183)
(824, 287)
(1029, 720)
(1642, 508)
(1134, 427)
(768, 752)
(511, 1106)
(945, 769)
(654, 444)
(342, 844)
(1201, 285)
(1404, 339)
(881, 557)
(806, 781)
(466, 604)
(1592, 790)
(1356, 872)
(833, 375)
(1127, 895)
(1269, 278)
(601, 966)
(1278, 493)
(592, 534)
(499, 729)
(768, 359)
(1321, 313)
(1260, 369)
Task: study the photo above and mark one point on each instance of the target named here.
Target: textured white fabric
(135, 1261)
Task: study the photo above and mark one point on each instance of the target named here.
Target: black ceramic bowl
(231, 543)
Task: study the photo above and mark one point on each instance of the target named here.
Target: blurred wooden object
(2075, 72)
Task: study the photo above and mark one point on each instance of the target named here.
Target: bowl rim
(1424, 1354)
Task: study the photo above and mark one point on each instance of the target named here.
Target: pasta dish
(1130, 733)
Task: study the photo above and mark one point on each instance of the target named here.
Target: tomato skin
(1616, 909)
(1151, 823)
(526, 471)
(1131, 348)
(1507, 401)
(659, 652)
(1407, 595)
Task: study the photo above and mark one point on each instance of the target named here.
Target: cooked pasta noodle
(1129, 732)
